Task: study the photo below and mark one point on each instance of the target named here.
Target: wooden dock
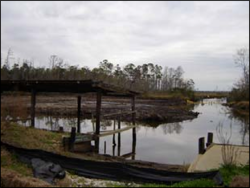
(212, 158)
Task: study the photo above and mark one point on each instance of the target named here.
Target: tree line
(146, 77)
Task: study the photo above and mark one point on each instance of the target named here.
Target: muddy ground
(170, 110)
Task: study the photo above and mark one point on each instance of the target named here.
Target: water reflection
(171, 143)
(170, 128)
(243, 120)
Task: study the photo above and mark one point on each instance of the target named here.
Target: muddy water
(170, 143)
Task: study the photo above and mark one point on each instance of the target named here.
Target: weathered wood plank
(108, 133)
(127, 155)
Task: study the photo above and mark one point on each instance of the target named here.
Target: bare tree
(241, 90)
(53, 60)
(9, 58)
(242, 60)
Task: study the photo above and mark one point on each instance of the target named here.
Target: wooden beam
(98, 111)
(69, 86)
(98, 118)
(134, 129)
(108, 133)
(133, 109)
(33, 107)
(119, 137)
(127, 155)
(79, 100)
(114, 143)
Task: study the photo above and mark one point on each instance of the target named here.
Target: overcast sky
(202, 37)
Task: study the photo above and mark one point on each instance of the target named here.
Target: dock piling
(209, 139)
(201, 145)
(72, 138)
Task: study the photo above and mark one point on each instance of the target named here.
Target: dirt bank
(168, 110)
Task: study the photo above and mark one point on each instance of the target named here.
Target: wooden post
(98, 118)
(114, 143)
(72, 138)
(209, 139)
(119, 137)
(61, 129)
(97, 145)
(33, 107)
(98, 111)
(134, 129)
(133, 109)
(201, 145)
(105, 146)
(79, 99)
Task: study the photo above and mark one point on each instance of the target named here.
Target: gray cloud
(202, 37)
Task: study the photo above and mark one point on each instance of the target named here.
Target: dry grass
(30, 138)
(17, 174)
(16, 107)
(162, 95)
(10, 178)
(156, 96)
(241, 108)
(229, 152)
(10, 161)
(243, 105)
(211, 94)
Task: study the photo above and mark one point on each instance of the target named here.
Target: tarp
(115, 171)
(47, 171)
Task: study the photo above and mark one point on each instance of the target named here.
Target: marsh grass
(230, 171)
(228, 151)
(17, 109)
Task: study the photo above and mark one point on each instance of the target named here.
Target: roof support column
(119, 136)
(79, 99)
(134, 129)
(33, 107)
(98, 117)
(98, 111)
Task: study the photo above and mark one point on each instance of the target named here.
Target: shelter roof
(69, 86)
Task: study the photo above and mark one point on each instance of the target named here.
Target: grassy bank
(33, 139)
(11, 167)
(242, 107)
(185, 95)
(227, 172)
(162, 95)
(212, 94)
(30, 138)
